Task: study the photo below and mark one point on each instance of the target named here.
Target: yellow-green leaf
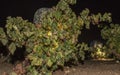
(4, 41)
(12, 48)
(49, 63)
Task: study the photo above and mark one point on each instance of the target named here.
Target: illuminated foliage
(54, 42)
(112, 35)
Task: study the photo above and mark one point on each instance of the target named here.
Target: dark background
(27, 8)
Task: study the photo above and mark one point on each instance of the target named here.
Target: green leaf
(49, 73)
(12, 48)
(49, 62)
(58, 15)
(71, 1)
(35, 72)
(4, 41)
(13, 73)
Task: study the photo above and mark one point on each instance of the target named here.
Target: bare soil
(90, 67)
(5, 67)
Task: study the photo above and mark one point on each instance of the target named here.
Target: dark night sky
(26, 9)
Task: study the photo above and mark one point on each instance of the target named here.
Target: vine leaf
(49, 63)
(12, 48)
(4, 41)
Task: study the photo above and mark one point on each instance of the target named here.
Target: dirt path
(5, 67)
(89, 68)
(93, 68)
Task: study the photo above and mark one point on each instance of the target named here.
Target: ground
(90, 67)
(93, 68)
